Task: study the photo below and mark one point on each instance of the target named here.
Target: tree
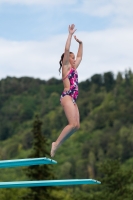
(97, 79)
(109, 81)
(116, 182)
(40, 172)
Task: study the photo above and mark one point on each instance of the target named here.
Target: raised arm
(68, 43)
(80, 52)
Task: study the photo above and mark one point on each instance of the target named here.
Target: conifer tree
(39, 172)
(116, 182)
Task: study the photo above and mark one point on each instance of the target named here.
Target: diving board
(68, 182)
(26, 162)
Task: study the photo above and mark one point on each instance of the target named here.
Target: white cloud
(104, 8)
(38, 59)
(109, 50)
(38, 2)
(119, 12)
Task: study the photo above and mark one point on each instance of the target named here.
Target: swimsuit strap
(67, 74)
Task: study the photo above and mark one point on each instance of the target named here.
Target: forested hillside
(106, 110)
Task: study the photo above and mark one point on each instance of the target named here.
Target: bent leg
(72, 114)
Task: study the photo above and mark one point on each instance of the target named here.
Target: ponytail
(60, 62)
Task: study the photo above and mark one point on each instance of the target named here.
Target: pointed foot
(53, 149)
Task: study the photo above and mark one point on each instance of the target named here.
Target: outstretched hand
(79, 41)
(71, 29)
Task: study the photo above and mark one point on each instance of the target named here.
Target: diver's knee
(75, 126)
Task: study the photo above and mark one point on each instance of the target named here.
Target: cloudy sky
(33, 34)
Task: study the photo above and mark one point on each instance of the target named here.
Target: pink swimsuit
(73, 91)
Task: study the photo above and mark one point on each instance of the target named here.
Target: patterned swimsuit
(73, 91)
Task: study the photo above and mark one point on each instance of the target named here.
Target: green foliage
(12, 194)
(109, 80)
(105, 104)
(117, 183)
(39, 172)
